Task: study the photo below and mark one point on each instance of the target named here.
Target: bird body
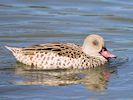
(62, 55)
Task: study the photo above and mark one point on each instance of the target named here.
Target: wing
(69, 49)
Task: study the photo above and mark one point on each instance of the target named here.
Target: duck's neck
(92, 52)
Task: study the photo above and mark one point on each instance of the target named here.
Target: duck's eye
(95, 42)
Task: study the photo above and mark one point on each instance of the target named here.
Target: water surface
(27, 22)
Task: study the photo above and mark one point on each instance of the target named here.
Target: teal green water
(27, 22)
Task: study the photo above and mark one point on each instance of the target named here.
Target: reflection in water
(93, 79)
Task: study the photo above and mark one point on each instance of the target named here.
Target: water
(27, 22)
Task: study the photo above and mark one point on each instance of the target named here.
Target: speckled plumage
(56, 56)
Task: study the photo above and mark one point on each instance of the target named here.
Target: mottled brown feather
(61, 49)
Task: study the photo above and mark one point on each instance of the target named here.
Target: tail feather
(9, 48)
(12, 49)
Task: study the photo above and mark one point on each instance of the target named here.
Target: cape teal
(92, 53)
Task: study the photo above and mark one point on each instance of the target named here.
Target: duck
(93, 53)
